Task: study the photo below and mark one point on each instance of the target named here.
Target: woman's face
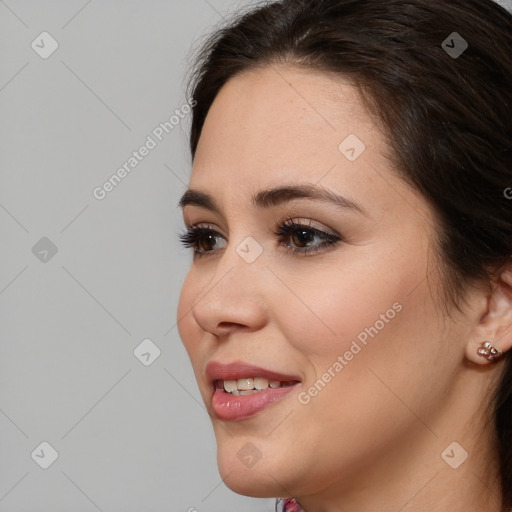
(353, 321)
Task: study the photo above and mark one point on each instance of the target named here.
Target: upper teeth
(250, 383)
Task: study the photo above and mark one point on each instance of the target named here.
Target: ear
(495, 325)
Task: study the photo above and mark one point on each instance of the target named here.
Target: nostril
(228, 325)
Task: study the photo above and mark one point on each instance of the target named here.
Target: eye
(202, 239)
(304, 238)
(296, 238)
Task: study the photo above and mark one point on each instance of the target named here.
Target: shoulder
(290, 505)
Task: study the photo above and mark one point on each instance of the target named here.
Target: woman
(348, 309)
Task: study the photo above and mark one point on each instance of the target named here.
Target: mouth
(250, 385)
(240, 391)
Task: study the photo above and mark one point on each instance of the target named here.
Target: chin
(251, 485)
(249, 472)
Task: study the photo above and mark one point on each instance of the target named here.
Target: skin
(372, 438)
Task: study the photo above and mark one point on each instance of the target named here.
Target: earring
(488, 351)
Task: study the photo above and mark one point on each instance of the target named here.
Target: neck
(426, 472)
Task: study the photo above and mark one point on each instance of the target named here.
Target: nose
(234, 298)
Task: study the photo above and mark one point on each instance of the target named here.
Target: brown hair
(447, 116)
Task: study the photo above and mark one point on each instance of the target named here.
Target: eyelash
(195, 234)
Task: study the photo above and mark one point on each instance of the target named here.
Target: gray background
(129, 437)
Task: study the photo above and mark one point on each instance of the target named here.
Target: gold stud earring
(488, 351)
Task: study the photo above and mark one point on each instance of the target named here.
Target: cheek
(351, 321)
(335, 305)
(387, 338)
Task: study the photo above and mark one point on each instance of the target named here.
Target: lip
(235, 408)
(215, 370)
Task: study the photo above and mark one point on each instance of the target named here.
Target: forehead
(269, 129)
(275, 116)
(281, 123)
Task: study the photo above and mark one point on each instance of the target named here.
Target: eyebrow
(274, 197)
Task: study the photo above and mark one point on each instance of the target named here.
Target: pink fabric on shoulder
(290, 505)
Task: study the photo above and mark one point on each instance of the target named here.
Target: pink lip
(216, 370)
(232, 408)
